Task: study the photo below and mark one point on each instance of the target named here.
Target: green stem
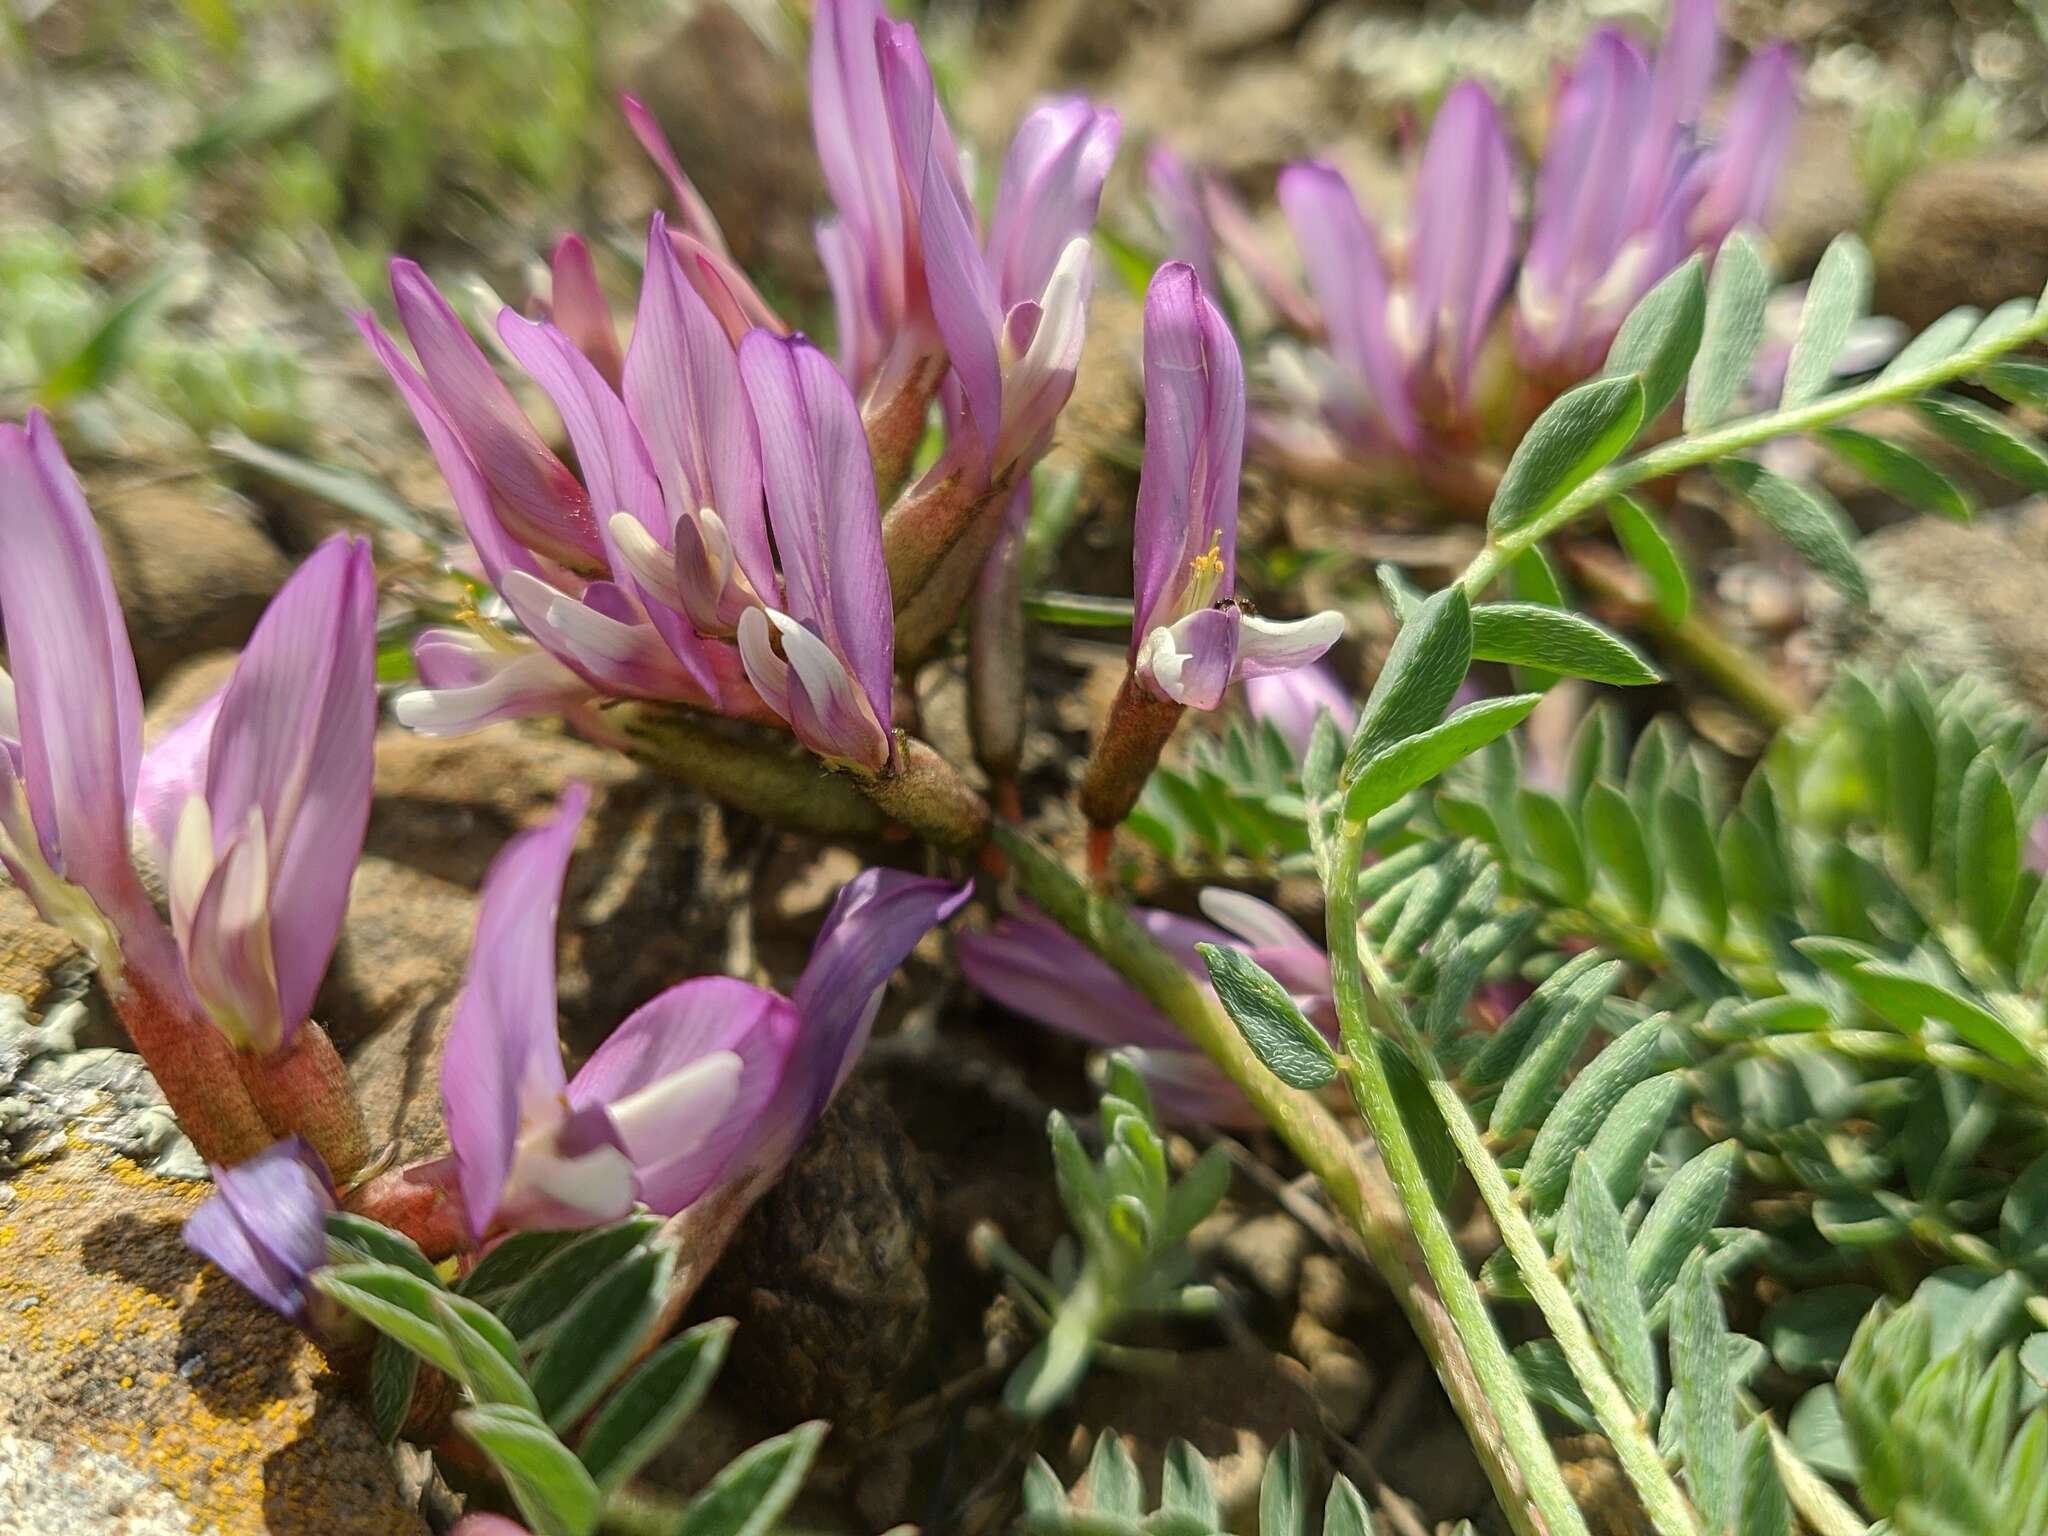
(1504, 545)
(1374, 1095)
(1623, 1423)
(1534, 1503)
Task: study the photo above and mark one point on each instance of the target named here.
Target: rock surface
(1968, 233)
(143, 1392)
(192, 573)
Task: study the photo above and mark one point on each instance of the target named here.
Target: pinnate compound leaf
(1344, 1512)
(1835, 300)
(1661, 336)
(544, 1296)
(394, 1373)
(1606, 1289)
(1571, 1126)
(652, 1403)
(1114, 1487)
(1271, 1022)
(1408, 764)
(601, 1335)
(749, 1494)
(1428, 660)
(1892, 469)
(394, 1302)
(487, 1359)
(353, 1239)
(1989, 438)
(1733, 330)
(1805, 517)
(555, 1495)
(1948, 335)
(1705, 1386)
(1556, 640)
(1647, 543)
(1577, 435)
(1186, 1487)
(1283, 1501)
(1678, 1222)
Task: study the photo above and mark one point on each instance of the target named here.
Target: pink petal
(502, 1057)
(1464, 226)
(697, 217)
(1047, 196)
(265, 1224)
(680, 1027)
(576, 304)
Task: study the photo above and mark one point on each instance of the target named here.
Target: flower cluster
(254, 809)
(1403, 376)
(695, 1102)
(724, 546)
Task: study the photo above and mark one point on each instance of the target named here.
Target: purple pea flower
(265, 1224)
(262, 800)
(1011, 317)
(1175, 190)
(259, 801)
(70, 717)
(636, 600)
(1627, 188)
(709, 1087)
(832, 680)
(1035, 968)
(1290, 702)
(1402, 354)
(1190, 638)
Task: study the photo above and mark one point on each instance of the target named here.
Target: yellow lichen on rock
(120, 1349)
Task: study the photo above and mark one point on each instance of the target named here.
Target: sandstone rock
(1219, 27)
(1266, 1252)
(1338, 1374)
(166, 1398)
(1820, 192)
(192, 572)
(1974, 232)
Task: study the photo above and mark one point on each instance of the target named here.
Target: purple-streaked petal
(1035, 968)
(468, 683)
(963, 299)
(293, 745)
(1240, 239)
(1195, 659)
(536, 496)
(1754, 137)
(1347, 275)
(77, 701)
(1269, 646)
(857, 151)
(861, 337)
(1687, 60)
(1464, 228)
(877, 920)
(697, 219)
(821, 503)
(679, 1149)
(683, 389)
(502, 1060)
(576, 304)
(1291, 701)
(1194, 446)
(265, 1225)
(1047, 196)
(1178, 206)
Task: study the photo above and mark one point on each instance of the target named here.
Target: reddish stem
(304, 1089)
(196, 1068)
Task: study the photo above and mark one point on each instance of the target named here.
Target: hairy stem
(777, 781)
(1499, 1377)
(1689, 452)
(1622, 1422)
(1357, 1189)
